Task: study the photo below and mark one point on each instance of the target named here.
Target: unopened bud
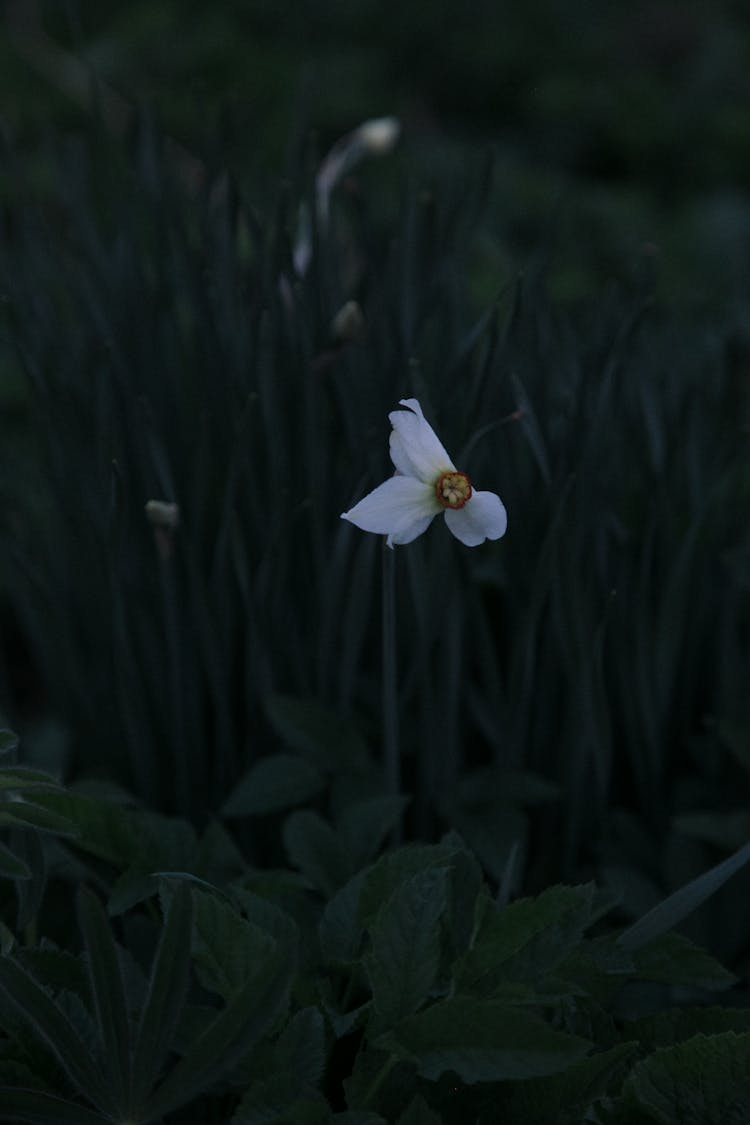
(161, 513)
(348, 323)
(379, 135)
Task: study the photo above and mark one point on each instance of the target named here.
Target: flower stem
(390, 679)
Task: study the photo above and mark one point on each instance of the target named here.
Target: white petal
(482, 517)
(415, 448)
(396, 508)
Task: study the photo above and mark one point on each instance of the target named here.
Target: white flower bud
(379, 135)
(161, 513)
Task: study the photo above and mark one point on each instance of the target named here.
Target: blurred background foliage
(563, 234)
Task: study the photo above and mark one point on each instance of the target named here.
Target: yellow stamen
(453, 489)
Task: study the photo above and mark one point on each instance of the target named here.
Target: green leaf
(108, 991)
(541, 1100)
(482, 1041)
(683, 902)
(11, 867)
(367, 824)
(678, 1024)
(27, 814)
(274, 783)
(36, 1108)
(722, 829)
(405, 956)
(525, 941)
(226, 948)
(301, 1048)
(52, 1026)
(340, 931)
(19, 777)
(333, 743)
(227, 1038)
(704, 1081)
(673, 959)
(394, 868)
(419, 1113)
(314, 848)
(167, 989)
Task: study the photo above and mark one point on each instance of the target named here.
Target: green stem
(390, 679)
(379, 1079)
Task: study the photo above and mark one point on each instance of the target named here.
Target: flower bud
(379, 135)
(348, 323)
(161, 513)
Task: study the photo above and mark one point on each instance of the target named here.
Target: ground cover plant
(435, 834)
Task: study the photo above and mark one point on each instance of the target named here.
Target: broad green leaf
(525, 940)
(33, 1107)
(227, 949)
(340, 931)
(675, 1025)
(405, 956)
(396, 867)
(274, 783)
(227, 1038)
(52, 1026)
(482, 1041)
(673, 959)
(167, 989)
(315, 850)
(108, 992)
(540, 1101)
(703, 1081)
(683, 902)
(11, 866)
(301, 1047)
(277, 1102)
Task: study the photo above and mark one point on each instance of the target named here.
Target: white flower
(426, 483)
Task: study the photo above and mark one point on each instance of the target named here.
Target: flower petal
(415, 448)
(397, 508)
(482, 517)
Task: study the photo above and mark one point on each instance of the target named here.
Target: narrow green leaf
(11, 867)
(482, 1041)
(683, 902)
(405, 956)
(19, 777)
(274, 783)
(108, 991)
(32, 1003)
(227, 1038)
(29, 815)
(36, 1108)
(167, 989)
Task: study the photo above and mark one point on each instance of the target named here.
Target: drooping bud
(348, 323)
(162, 513)
(379, 135)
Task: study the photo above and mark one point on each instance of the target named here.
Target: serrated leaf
(227, 949)
(340, 931)
(683, 902)
(403, 962)
(274, 783)
(526, 940)
(704, 1081)
(678, 1024)
(301, 1047)
(394, 868)
(674, 959)
(22, 778)
(482, 1041)
(276, 1102)
(314, 848)
(542, 1100)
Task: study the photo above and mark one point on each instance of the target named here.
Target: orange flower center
(453, 490)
